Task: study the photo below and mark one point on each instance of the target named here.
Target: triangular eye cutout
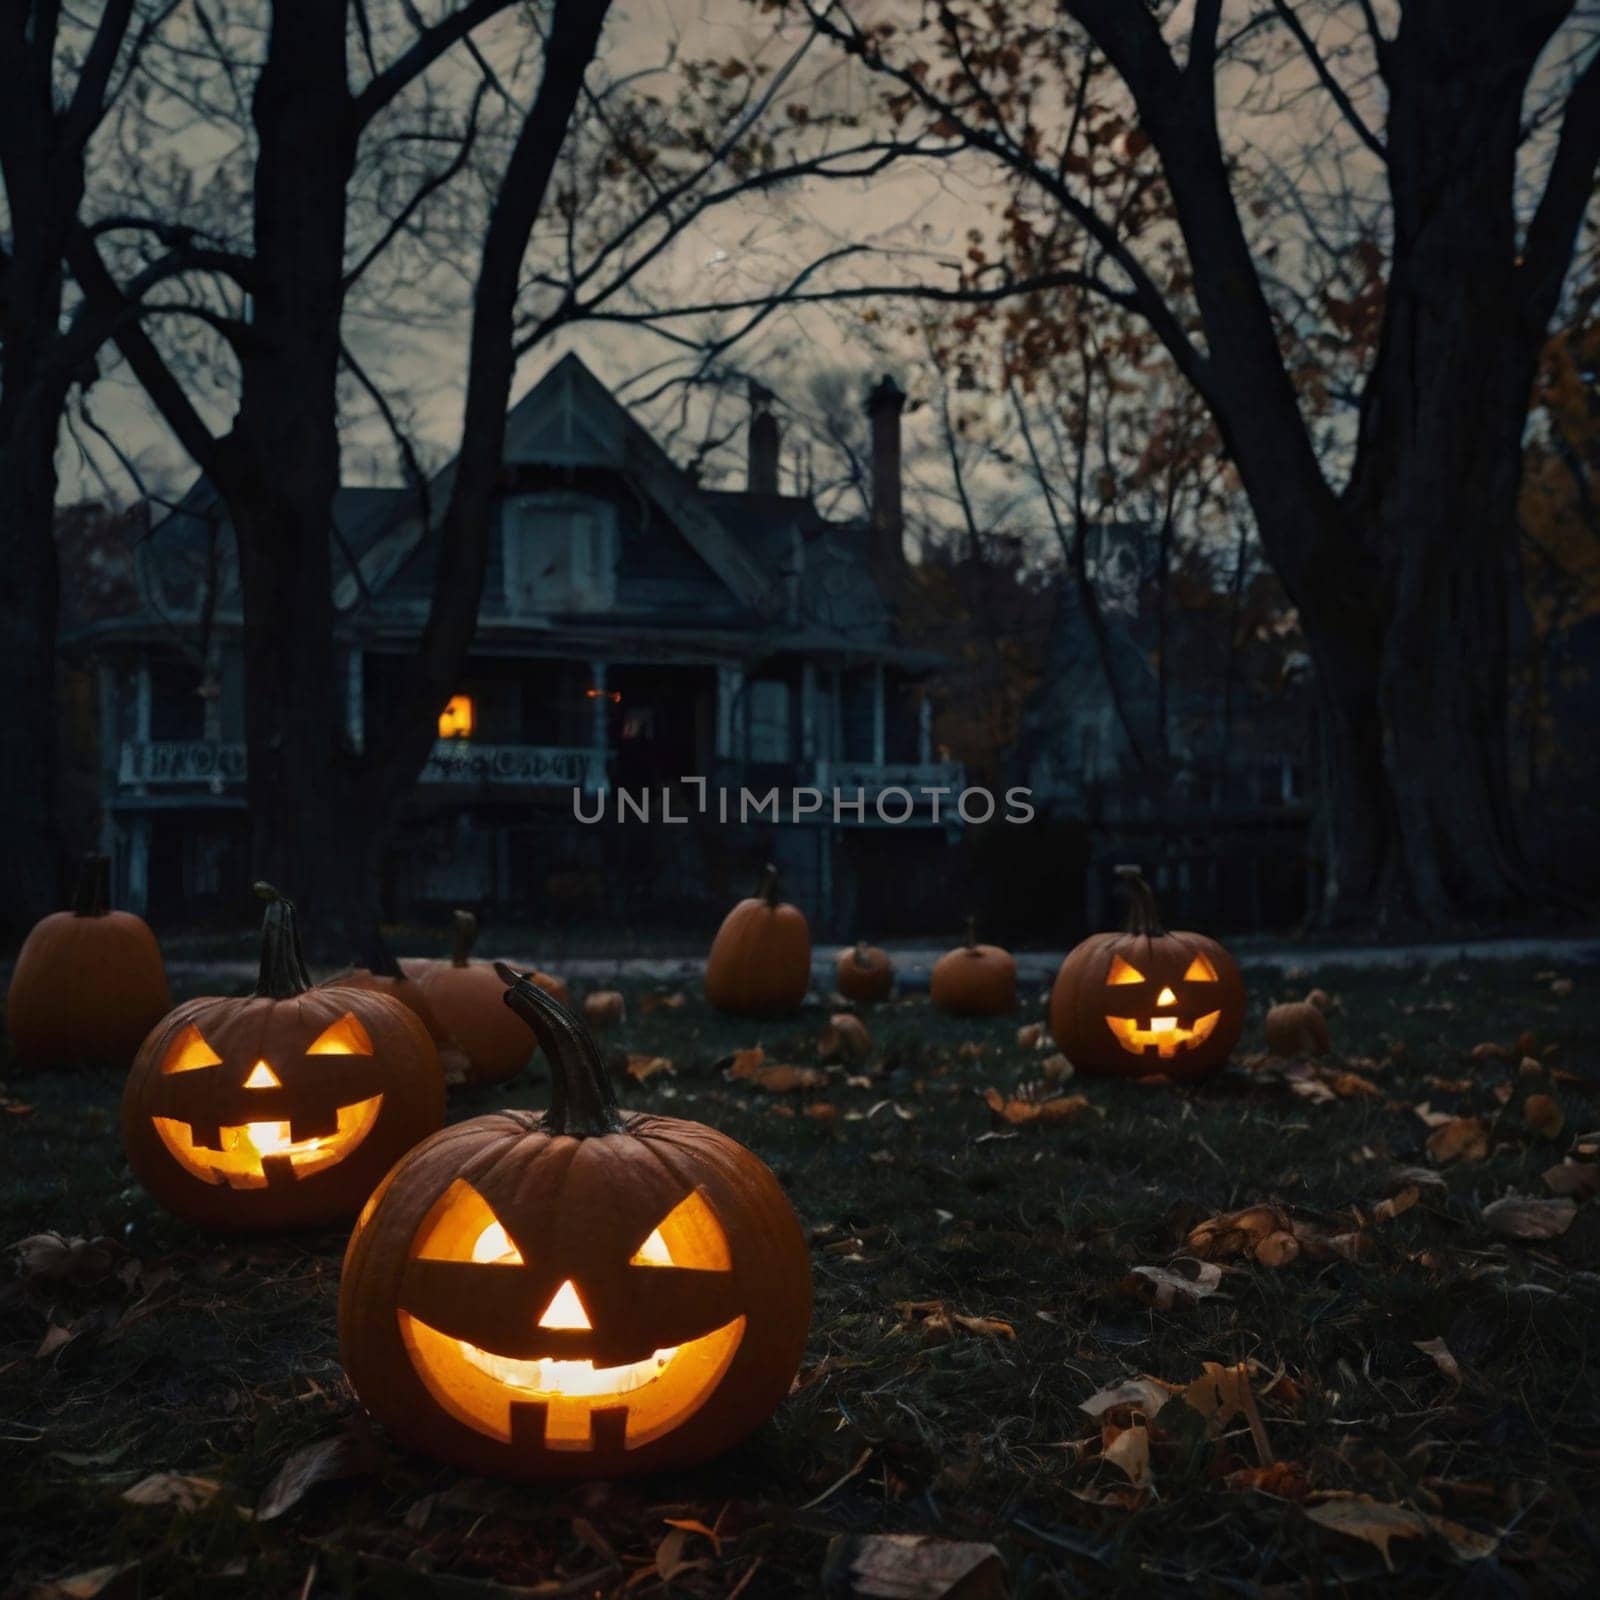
(565, 1309)
(1200, 971)
(462, 1226)
(346, 1037)
(189, 1051)
(494, 1244)
(1123, 972)
(263, 1077)
(652, 1253)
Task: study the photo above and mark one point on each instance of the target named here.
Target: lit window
(455, 721)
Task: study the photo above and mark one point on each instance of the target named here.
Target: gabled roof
(569, 418)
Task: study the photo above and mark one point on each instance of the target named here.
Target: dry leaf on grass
(1022, 1111)
(1284, 1480)
(1278, 1249)
(1235, 1233)
(779, 1078)
(1439, 1353)
(658, 1001)
(1561, 987)
(87, 1585)
(1031, 1036)
(1377, 1523)
(1128, 1450)
(1165, 1288)
(1459, 1139)
(349, 1454)
(643, 1068)
(1579, 1180)
(175, 1489)
(1144, 1394)
(1397, 1204)
(54, 1258)
(913, 1566)
(1056, 1068)
(743, 1063)
(938, 1324)
(1543, 1116)
(1523, 1217)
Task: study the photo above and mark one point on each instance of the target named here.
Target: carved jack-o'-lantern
(582, 1293)
(1147, 1002)
(282, 1109)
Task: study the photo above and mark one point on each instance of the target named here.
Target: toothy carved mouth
(481, 1388)
(1163, 1034)
(249, 1153)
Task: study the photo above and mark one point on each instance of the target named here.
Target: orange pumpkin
(404, 986)
(89, 983)
(864, 973)
(760, 961)
(579, 1294)
(282, 1109)
(974, 980)
(464, 997)
(1145, 1001)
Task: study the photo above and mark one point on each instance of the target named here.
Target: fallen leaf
(605, 1008)
(173, 1489)
(1235, 1233)
(643, 1068)
(87, 1585)
(1129, 1452)
(745, 1062)
(822, 1111)
(1561, 987)
(1164, 1288)
(913, 1566)
(779, 1078)
(1397, 1204)
(691, 1525)
(1359, 1516)
(1277, 1249)
(1439, 1353)
(1580, 1180)
(1543, 1116)
(1140, 1394)
(1022, 1111)
(1459, 1139)
(53, 1258)
(1522, 1217)
(348, 1454)
(1031, 1036)
(658, 1001)
(1056, 1068)
(985, 1327)
(1285, 1480)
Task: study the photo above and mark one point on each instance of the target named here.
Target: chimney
(886, 553)
(763, 473)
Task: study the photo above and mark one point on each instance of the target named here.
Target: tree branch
(423, 52)
(1568, 191)
(1336, 90)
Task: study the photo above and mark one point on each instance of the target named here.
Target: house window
(455, 721)
(768, 714)
(560, 555)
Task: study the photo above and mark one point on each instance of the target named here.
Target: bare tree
(1400, 571)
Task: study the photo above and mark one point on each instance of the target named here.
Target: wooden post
(730, 712)
(138, 889)
(877, 714)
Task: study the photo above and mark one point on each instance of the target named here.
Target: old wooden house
(637, 631)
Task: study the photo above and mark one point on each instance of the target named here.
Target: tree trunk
(279, 471)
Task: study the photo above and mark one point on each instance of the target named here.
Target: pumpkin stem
(582, 1102)
(283, 966)
(1144, 916)
(769, 888)
(465, 927)
(972, 933)
(861, 953)
(93, 894)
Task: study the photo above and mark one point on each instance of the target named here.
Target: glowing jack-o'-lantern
(582, 1293)
(1146, 1001)
(282, 1109)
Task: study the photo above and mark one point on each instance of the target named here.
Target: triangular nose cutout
(263, 1077)
(565, 1309)
(1166, 998)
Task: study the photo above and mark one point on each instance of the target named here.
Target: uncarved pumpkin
(581, 1293)
(89, 983)
(464, 997)
(760, 961)
(974, 980)
(864, 973)
(282, 1109)
(1145, 1001)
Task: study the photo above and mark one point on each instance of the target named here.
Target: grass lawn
(161, 1351)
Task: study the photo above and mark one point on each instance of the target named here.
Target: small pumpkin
(863, 973)
(760, 961)
(282, 1109)
(464, 996)
(603, 1008)
(974, 980)
(89, 983)
(1297, 1028)
(547, 981)
(1147, 1001)
(581, 1293)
